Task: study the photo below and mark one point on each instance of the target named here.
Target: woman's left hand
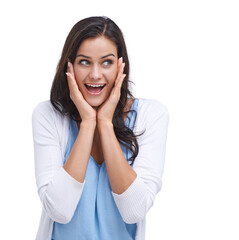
(106, 111)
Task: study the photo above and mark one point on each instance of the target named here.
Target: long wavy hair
(93, 27)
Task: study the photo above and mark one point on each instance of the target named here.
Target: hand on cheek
(87, 113)
(106, 111)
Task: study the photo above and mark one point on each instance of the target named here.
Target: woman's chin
(95, 104)
(95, 101)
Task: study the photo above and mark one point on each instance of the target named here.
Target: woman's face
(95, 69)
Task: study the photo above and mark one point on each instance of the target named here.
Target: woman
(98, 165)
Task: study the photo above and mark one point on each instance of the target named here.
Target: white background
(183, 53)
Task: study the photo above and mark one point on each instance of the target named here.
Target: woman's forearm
(76, 164)
(120, 173)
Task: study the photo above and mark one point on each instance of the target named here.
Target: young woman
(99, 152)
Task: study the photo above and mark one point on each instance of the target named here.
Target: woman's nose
(95, 72)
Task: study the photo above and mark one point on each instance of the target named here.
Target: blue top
(96, 216)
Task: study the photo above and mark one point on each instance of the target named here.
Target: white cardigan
(60, 193)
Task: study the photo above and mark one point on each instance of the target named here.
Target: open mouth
(95, 88)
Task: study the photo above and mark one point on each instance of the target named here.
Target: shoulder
(45, 114)
(151, 108)
(152, 120)
(46, 109)
(48, 123)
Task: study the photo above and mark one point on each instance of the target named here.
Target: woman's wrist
(88, 124)
(104, 125)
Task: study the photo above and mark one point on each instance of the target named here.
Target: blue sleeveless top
(96, 216)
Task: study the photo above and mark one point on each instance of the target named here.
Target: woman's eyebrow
(84, 56)
(108, 55)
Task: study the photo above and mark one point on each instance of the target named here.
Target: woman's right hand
(87, 113)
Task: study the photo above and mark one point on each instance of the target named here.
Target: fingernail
(67, 73)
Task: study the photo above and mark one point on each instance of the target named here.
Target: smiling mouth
(95, 88)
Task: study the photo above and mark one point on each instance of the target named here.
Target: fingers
(120, 76)
(121, 66)
(70, 76)
(70, 68)
(119, 83)
(70, 71)
(73, 87)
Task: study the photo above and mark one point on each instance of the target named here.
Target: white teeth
(94, 85)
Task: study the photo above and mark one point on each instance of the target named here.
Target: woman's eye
(84, 62)
(107, 62)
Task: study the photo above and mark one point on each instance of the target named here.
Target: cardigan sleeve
(134, 203)
(58, 191)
